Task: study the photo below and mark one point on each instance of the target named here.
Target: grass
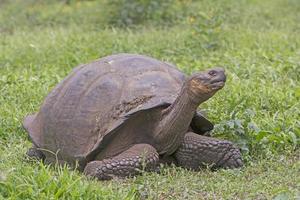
(256, 41)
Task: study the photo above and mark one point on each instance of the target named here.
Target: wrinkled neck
(175, 122)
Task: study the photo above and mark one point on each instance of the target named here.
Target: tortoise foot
(34, 153)
(129, 163)
(198, 151)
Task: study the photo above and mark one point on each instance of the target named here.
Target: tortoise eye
(212, 72)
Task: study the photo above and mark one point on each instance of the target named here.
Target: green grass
(258, 42)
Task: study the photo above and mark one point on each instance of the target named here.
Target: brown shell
(96, 98)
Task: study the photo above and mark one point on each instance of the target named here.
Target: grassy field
(257, 42)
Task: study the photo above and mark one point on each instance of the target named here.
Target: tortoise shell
(85, 111)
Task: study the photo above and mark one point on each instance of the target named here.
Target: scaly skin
(129, 163)
(197, 150)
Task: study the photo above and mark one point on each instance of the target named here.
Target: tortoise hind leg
(128, 163)
(197, 150)
(35, 153)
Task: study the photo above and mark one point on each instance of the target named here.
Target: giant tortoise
(126, 112)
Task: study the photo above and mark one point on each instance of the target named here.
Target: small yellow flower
(192, 19)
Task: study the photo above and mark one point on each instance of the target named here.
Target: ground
(257, 42)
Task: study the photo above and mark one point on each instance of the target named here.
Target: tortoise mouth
(216, 85)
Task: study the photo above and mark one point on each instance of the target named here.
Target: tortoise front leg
(197, 150)
(129, 163)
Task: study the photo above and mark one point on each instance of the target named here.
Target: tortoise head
(203, 85)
